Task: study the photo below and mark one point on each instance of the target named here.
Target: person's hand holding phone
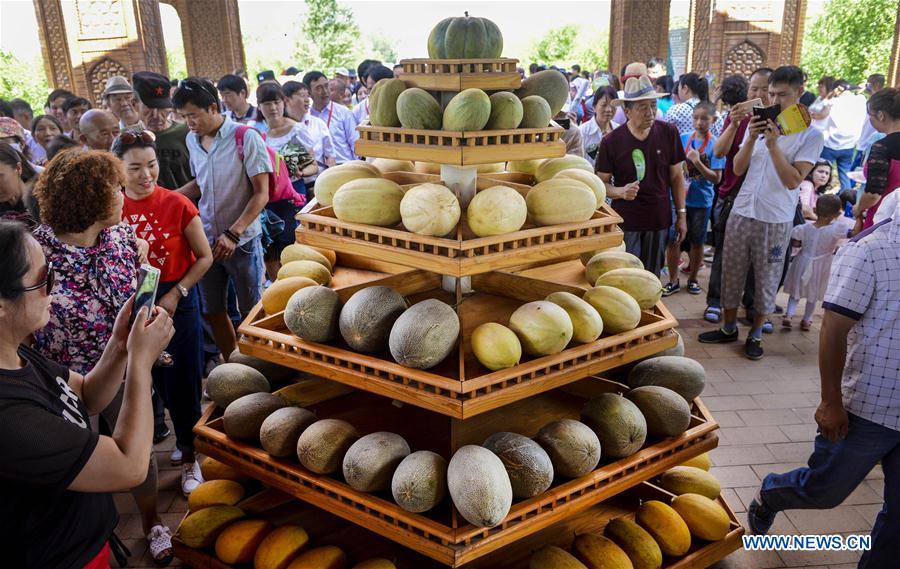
(148, 340)
(757, 126)
(771, 133)
(121, 327)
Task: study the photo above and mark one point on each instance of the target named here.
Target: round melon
(590, 179)
(549, 84)
(496, 346)
(370, 201)
(244, 417)
(227, 382)
(598, 552)
(430, 209)
(617, 422)
(527, 464)
(279, 433)
(424, 335)
(465, 38)
(506, 111)
(560, 201)
(586, 322)
(524, 166)
(550, 168)
(543, 328)
(666, 527)
(469, 110)
(298, 252)
(418, 110)
(276, 297)
(666, 412)
(620, 312)
(573, 447)
(420, 481)
(535, 112)
(553, 557)
(690, 480)
(609, 260)
(705, 518)
(367, 317)
(642, 285)
(238, 542)
(684, 376)
(312, 314)
(383, 102)
(322, 446)
(385, 165)
(479, 486)
(496, 210)
(370, 462)
(331, 179)
(309, 269)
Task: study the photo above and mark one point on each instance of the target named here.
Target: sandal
(806, 325)
(786, 322)
(160, 540)
(713, 314)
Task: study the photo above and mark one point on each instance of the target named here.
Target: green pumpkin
(465, 38)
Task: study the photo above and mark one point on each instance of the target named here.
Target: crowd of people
(202, 180)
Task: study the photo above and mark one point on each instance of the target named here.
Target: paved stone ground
(765, 411)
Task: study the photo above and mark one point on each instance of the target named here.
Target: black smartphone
(767, 113)
(147, 283)
(564, 122)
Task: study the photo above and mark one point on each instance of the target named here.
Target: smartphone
(564, 122)
(147, 283)
(767, 113)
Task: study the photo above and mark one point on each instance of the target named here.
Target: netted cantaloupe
(641, 548)
(543, 328)
(331, 180)
(705, 518)
(215, 493)
(325, 557)
(586, 322)
(643, 286)
(312, 313)
(370, 201)
(322, 445)
(573, 447)
(420, 481)
(617, 422)
(590, 179)
(549, 84)
(370, 462)
(479, 486)
(691, 480)
(527, 464)
(469, 110)
(559, 201)
(244, 416)
(200, 529)
(430, 209)
(418, 110)
(536, 112)
(280, 431)
(280, 547)
(553, 557)
(276, 297)
(550, 168)
(386, 165)
(506, 111)
(666, 412)
(424, 335)
(598, 552)
(230, 381)
(383, 102)
(367, 317)
(238, 542)
(606, 261)
(496, 346)
(298, 252)
(619, 311)
(684, 376)
(496, 210)
(308, 269)
(666, 526)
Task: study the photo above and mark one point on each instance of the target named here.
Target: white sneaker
(191, 477)
(176, 457)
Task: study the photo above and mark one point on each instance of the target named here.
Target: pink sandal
(806, 325)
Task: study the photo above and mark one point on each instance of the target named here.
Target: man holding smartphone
(758, 231)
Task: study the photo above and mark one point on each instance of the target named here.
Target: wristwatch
(681, 210)
(181, 290)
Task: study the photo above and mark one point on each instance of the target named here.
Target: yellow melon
(331, 180)
(215, 493)
(666, 527)
(276, 297)
(238, 542)
(705, 518)
(309, 269)
(280, 547)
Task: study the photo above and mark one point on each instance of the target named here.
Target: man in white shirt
(846, 113)
(374, 74)
(338, 118)
(758, 231)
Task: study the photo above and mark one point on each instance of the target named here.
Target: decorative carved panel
(101, 72)
(743, 58)
(640, 30)
(150, 26)
(893, 77)
(101, 19)
(700, 22)
(54, 46)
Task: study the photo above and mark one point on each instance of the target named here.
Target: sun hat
(10, 128)
(635, 69)
(117, 84)
(638, 89)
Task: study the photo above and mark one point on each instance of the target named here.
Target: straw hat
(638, 89)
(117, 84)
(635, 69)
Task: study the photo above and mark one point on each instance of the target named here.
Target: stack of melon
(301, 266)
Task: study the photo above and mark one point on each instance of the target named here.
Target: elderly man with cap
(120, 100)
(98, 129)
(640, 162)
(155, 108)
(636, 70)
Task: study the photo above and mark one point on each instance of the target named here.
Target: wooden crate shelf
(460, 148)
(456, 75)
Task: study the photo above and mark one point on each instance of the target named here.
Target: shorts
(246, 270)
(697, 225)
(753, 243)
(649, 247)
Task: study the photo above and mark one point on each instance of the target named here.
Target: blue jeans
(245, 270)
(834, 470)
(844, 160)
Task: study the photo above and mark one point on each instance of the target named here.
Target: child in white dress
(808, 274)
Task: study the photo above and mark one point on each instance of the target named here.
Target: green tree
(176, 62)
(381, 48)
(555, 47)
(850, 40)
(23, 80)
(330, 37)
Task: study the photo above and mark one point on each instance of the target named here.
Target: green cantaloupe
(552, 557)
(591, 180)
(496, 346)
(506, 111)
(479, 486)
(383, 102)
(535, 112)
(560, 200)
(469, 110)
(424, 335)
(606, 261)
(620, 312)
(367, 317)
(550, 168)
(322, 446)
(231, 381)
(420, 481)
(642, 285)
(527, 464)
(244, 416)
(496, 210)
(312, 313)
(308, 269)
(598, 552)
(690, 480)
(684, 376)
(617, 422)
(372, 201)
(549, 84)
(418, 110)
(586, 322)
(573, 447)
(280, 431)
(641, 548)
(370, 462)
(543, 328)
(667, 413)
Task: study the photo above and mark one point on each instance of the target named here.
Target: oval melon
(634, 540)
(586, 322)
(331, 180)
(691, 480)
(312, 313)
(200, 529)
(527, 464)
(375, 564)
(424, 335)
(370, 201)
(430, 209)
(535, 112)
(549, 84)
(701, 461)
(496, 346)
(385, 165)
(325, 557)
(550, 168)
(665, 526)
(591, 180)
(465, 38)
(363, 164)
(309, 269)
(524, 166)
(368, 316)
(298, 252)
(705, 518)
(280, 547)
(280, 431)
(383, 102)
(228, 382)
(666, 412)
(506, 111)
(676, 350)
(543, 328)
(496, 210)
(573, 447)
(560, 201)
(238, 542)
(479, 486)
(212, 469)
(370, 462)
(606, 261)
(420, 481)
(618, 310)
(588, 255)
(276, 297)
(244, 417)
(642, 285)
(322, 445)
(552, 557)
(469, 110)
(418, 110)
(684, 376)
(215, 493)
(617, 422)
(598, 552)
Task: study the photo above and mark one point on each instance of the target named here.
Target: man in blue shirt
(703, 171)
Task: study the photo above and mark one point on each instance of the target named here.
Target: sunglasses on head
(46, 283)
(130, 137)
(192, 85)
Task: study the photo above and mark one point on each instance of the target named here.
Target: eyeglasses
(192, 85)
(130, 137)
(46, 283)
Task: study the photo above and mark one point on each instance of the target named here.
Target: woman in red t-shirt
(170, 223)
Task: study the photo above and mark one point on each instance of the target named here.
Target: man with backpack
(232, 170)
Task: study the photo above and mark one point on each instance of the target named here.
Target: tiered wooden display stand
(460, 402)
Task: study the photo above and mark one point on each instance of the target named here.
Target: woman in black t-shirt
(56, 474)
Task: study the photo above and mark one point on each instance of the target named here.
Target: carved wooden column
(638, 31)
(212, 36)
(893, 78)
